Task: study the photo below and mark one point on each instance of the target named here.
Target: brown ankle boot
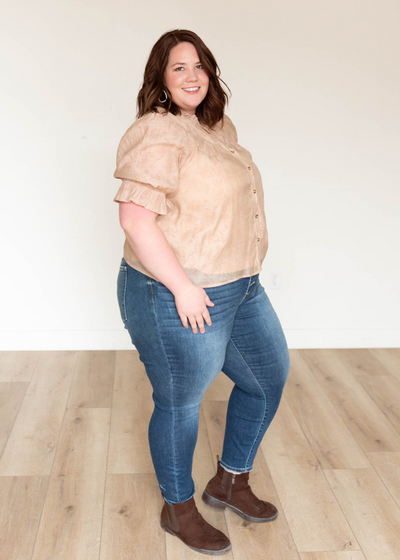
(231, 490)
(183, 520)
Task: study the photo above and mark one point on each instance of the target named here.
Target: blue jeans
(245, 341)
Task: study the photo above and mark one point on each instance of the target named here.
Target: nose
(191, 75)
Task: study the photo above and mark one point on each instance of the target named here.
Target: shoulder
(154, 127)
(226, 130)
(229, 129)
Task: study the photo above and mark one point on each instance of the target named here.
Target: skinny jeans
(245, 341)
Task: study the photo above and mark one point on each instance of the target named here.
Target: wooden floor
(77, 481)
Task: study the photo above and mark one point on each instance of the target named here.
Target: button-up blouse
(206, 190)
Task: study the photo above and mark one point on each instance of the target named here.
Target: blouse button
(258, 239)
(254, 190)
(256, 215)
(248, 167)
(233, 151)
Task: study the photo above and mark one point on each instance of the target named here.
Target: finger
(193, 323)
(209, 302)
(200, 322)
(184, 321)
(207, 318)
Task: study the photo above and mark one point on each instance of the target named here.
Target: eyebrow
(198, 62)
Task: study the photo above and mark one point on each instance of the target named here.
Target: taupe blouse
(206, 189)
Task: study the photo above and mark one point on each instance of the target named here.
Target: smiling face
(185, 78)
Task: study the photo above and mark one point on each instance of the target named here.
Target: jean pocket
(121, 291)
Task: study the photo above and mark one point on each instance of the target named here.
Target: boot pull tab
(230, 486)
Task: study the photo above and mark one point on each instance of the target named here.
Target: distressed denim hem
(239, 471)
(173, 503)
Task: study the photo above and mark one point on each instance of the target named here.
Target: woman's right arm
(155, 253)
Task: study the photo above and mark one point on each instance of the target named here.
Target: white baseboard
(120, 340)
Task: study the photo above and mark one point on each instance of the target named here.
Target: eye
(181, 67)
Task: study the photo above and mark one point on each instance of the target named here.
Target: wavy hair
(211, 109)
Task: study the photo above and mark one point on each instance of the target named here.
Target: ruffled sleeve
(148, 162)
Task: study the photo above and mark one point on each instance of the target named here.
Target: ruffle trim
(144, 195)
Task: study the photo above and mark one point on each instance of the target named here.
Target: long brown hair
(211, 109)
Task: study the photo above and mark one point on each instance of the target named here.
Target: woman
(192, 208)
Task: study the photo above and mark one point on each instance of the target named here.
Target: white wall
(315, 88)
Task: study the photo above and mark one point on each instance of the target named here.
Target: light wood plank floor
(77, 481)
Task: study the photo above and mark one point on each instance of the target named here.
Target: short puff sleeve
(148, 162)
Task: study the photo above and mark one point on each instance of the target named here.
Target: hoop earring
(166, 97)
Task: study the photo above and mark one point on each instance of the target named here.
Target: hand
(192, 304)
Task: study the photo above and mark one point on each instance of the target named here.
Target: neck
(189, 113)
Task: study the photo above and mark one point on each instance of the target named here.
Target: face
(184, 71)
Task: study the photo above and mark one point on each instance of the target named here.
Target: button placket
(255, 216)
(254, 191)
(232, 151)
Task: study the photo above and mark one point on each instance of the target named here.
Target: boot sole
(215, 503)
(201, 550)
